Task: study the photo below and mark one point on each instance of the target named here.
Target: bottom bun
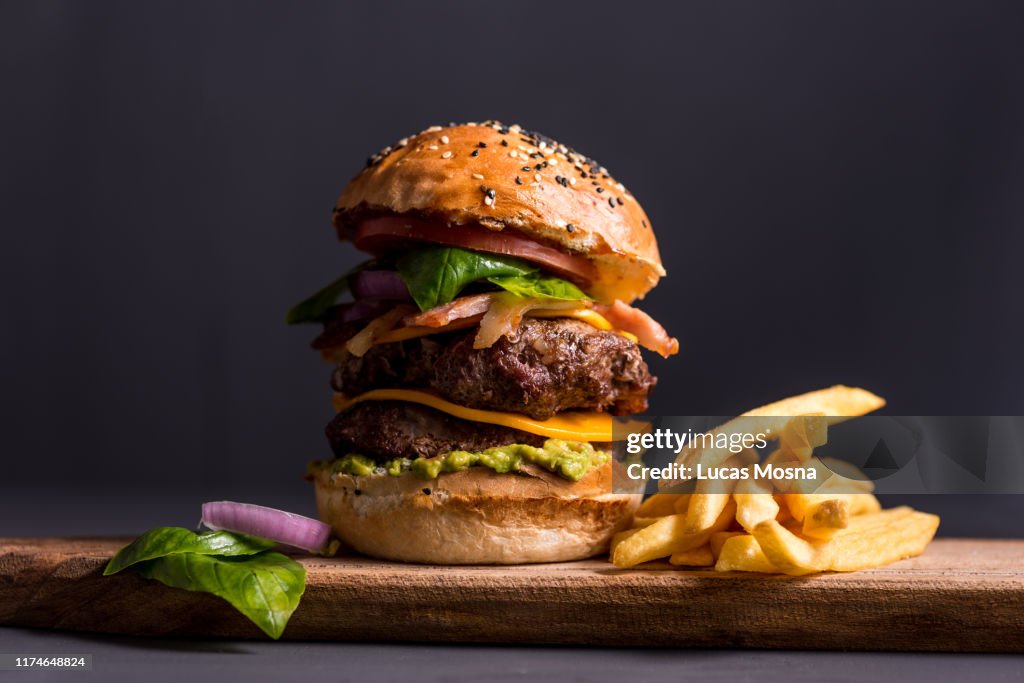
(476, 516)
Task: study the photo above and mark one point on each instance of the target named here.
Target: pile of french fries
(778, 526)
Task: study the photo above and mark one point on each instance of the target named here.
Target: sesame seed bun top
(506, 178)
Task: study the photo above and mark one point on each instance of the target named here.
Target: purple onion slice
(286, 528)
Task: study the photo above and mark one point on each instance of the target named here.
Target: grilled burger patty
(548, 366)
(384, 430)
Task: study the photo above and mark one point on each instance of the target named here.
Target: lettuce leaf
(537, 286)
(436, 275)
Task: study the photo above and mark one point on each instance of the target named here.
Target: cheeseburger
(487, 344)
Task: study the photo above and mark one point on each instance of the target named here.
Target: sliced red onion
(363, 309)
(379, 284)
(276, 525)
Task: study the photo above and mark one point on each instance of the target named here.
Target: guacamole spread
(569, 459)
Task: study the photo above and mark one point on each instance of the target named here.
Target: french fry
(741, 553)
(683, 504)
(898, 540)
(708, 500)
(660, 504)
(847, 476)
(718, 539)
(875, 540)
(619, 538)
(697, 557)
(863, 503)
(803, 434)
(834, 404)
(783, 515)
(826, 518)
(754, 501)
(665, 537)
(641, 522)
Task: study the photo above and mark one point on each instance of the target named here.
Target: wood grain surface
(961, 596)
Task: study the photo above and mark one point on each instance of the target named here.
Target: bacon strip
(463, 307)
(649, 333)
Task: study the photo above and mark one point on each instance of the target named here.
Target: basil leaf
(266, 587)
(436, 275)
(539, 286)
(169, 540)
(312, 309)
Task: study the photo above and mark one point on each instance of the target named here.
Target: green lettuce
(537, 286)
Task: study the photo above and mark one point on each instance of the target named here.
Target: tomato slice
(385, 234)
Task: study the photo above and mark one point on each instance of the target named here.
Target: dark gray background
(836, 188)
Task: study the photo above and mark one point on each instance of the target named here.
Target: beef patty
(383, 430)
(546, 367)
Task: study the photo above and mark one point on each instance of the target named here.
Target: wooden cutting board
(961, 596)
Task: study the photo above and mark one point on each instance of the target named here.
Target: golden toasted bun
(475, 516)
(436, 174)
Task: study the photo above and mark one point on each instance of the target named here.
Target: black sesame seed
(538, 166)
(504, 143)
(611, 202)
(474, 153)
(600, 189)
(545, 164)
(583, 174)
(481, 144)
(426, 491)
(644, 222)
(519, 181)
(490, 193)
(526, 169)
(570, 227)
(619, 201)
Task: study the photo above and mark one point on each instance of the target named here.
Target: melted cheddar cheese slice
(570, 425)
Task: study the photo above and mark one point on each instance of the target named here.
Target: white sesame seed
(478, 176)
(552, 161)
(488, 201)
(513, 154)
(522, 148)
(542, 145)
(514, 128)
(472, 123)
(432, 147)
(444, 139)
(433, 129)
(447, 155)
(536, 176)
(572, 181)
(403, 142)
(620, 187)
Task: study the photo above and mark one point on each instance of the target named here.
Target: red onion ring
(379, 284)
(286, 528)
(362, 309)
